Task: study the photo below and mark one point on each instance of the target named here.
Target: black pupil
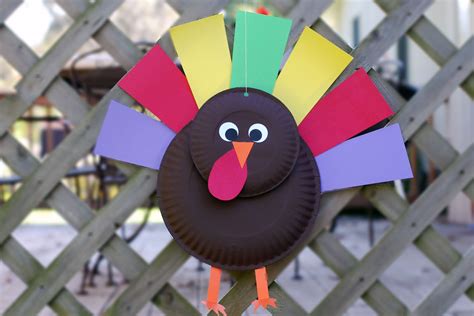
(255, 135)
(231, 134)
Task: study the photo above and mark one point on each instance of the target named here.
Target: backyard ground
(411, 277)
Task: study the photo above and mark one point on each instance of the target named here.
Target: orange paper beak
(242, 149)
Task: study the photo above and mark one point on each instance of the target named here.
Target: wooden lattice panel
(149, 282)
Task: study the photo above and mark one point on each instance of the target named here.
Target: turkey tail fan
(204, 54)
(259, 45)
(352, 107)
(157, 84)
(375, 157)
(312, 67)
(132, 137)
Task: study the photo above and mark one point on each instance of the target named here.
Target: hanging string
(246, 93)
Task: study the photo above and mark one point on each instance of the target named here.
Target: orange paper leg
(213, 293)
(264, 299)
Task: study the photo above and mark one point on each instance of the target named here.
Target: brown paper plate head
(270, 161)
(246, 232)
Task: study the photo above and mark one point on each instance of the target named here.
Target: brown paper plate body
(247, 232)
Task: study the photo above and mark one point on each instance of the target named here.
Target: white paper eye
(258, 133)
(228, 131)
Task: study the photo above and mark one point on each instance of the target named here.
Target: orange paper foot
(264, 302)
(217, 308)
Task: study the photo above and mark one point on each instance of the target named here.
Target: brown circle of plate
(247, 232)
(269, 162)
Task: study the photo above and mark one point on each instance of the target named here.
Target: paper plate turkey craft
(245, 152)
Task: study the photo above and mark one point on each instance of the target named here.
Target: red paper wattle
(227, 178)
